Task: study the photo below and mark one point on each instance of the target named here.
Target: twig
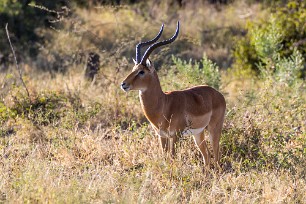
(17, 66)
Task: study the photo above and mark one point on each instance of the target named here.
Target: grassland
(76, 141)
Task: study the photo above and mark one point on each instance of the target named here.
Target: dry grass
(111, 156)
(80, 142)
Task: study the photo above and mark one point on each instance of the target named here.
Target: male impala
(186, 112)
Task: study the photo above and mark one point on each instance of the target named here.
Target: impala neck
(152, 99)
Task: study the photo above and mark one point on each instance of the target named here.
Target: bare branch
(17, 66)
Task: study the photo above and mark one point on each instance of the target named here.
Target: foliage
(25, 24)
(48, 108)
(203, 72)
(286, 70)
(270, 128)
(278, 37)
(267, 129)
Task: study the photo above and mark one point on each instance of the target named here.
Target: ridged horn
(158, 44)
(141, 44)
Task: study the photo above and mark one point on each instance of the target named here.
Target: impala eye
(141, 73)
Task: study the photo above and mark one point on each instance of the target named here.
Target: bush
(266, 130)
(286, 70)
(198, 73)
(24, 21)
(268, 41)
(48, 108)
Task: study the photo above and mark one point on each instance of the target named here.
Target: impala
(176, 113)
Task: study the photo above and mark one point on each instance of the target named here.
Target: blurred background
(51, 36)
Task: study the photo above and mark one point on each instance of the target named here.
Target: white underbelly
(167, 134)
(189, 131)
(186, 132)
(192, 121)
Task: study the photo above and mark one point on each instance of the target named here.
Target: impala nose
(124, 86)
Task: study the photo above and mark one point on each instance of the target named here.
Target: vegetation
(78, 141)
(279, 36)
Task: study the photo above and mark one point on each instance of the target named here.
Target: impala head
(143, 71)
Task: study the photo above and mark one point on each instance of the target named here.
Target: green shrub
(198, 73)
(269, 40)
(23, 23)
(42, 109)
(5, 113)
(288, 69)
(49, 109)
(265, 131)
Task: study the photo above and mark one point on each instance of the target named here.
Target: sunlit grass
(75, 141)
(107, 153)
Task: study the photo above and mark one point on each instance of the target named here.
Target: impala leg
(168, 144)
(164, 144)
(173, 142)
(215, 135)
(200, 142)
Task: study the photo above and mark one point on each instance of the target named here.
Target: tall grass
(76, 141)
(100, 150)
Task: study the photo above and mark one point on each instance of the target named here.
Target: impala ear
(149, 65)
(134, 61)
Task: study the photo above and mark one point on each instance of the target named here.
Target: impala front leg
(164, 144)
(168, 144)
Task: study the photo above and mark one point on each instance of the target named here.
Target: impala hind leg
(200, 142)
(215, 135)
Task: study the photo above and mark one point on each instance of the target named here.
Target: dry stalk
(16, 63)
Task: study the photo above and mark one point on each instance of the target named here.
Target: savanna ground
(72, 140)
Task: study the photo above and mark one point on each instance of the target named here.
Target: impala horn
(158, 44)
(141, 44)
